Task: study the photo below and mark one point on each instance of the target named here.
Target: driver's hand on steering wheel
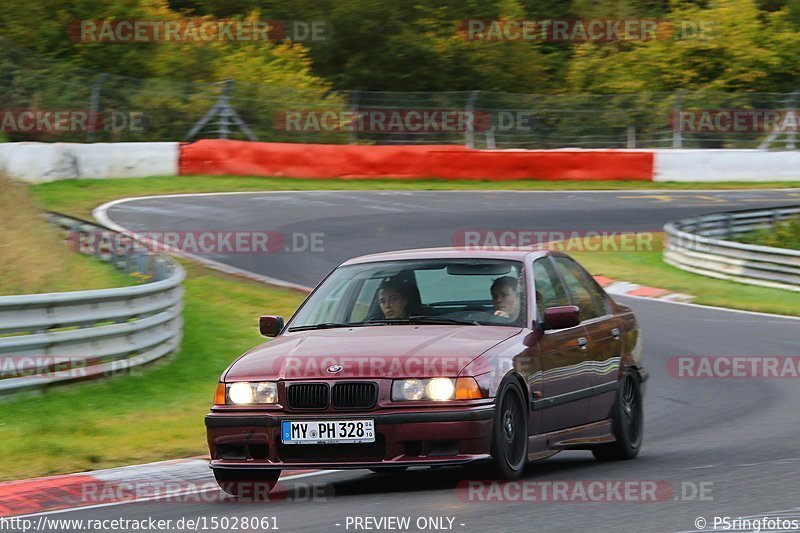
(501, 313)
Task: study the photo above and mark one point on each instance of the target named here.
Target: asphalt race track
(357, 222)
(727, 447)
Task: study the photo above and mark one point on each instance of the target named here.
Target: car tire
(389, 469)
(246, 483)
(509, 436)
(627, 422)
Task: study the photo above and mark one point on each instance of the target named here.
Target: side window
(550, 291)
(584, 292)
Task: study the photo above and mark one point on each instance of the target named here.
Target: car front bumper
(420, 438)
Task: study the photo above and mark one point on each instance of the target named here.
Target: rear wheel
(245, 483)
(509, 436)
(628, 422)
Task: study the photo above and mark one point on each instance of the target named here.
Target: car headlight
(435, 389)
(440, 389)
(247, 393)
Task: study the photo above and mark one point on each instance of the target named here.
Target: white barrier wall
(726, 165)
(42, 162)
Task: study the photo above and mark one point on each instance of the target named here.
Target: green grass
(75, 273)
(34, 257)
(79, 197)
(155, 413)
(647, 268)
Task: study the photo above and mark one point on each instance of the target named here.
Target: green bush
(784, 234)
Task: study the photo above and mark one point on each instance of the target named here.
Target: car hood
(374, 351)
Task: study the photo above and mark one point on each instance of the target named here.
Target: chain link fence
(50, 102)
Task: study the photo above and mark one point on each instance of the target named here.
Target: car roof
(508, 254)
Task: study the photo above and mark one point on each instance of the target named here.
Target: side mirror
(565, 316)
(270, 326)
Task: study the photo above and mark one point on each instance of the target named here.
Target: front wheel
(509, 435)
(628, 422)
(246, 483)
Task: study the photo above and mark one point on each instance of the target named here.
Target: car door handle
(582, 342)
(615, 332)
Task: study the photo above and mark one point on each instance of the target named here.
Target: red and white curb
(624, 288)
(181, 480)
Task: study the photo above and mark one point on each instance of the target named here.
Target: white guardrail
(57, 337)
(699, 245)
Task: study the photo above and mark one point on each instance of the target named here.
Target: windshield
(462, 291)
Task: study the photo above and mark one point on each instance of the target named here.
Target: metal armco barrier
(56, 337)
(698, 245)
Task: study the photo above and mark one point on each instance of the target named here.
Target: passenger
(505, 298)
(392, 299)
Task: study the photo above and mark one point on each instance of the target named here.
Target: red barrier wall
(221, 157)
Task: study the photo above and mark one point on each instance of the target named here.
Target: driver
(505, 298)
(392, 299)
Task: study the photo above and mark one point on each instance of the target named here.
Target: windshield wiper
(325, 325)
(379, 321)
(422, 319)
(416, 319)
(425, 319)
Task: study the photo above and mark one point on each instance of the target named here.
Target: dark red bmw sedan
(434, 357)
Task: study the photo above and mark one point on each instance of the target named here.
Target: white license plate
(327, 431)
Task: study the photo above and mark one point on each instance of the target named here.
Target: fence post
(490, 142)
(355, 100)
(94, 105)
(677, 134)
(631, 137)
(791, 137)
(224, 110)
(227, 116)
(469, 135)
